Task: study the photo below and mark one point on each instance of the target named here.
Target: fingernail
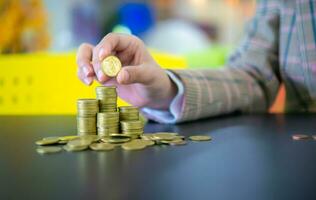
(101, 54)
(100, 75)
(86, 71)
(87, 81)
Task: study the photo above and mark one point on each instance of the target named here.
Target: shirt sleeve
(171, 115)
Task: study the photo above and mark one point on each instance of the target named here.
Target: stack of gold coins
(107, 97)
(129, 113)
(134, 129)
(86, 118)
(108, 123)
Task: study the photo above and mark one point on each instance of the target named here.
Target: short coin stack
(108, 123)
(128, 113)
(134, 129)
(107, 97)
(86, 117)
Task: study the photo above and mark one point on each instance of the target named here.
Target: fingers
(109, 45)
(134, 74)
(85, 68)
(86, 80)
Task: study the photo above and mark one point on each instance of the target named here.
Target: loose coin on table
(47, 141)
(200, 138)
(111, 66)
(300, 137)
(131, 146)
(48, 150)
(101, 146)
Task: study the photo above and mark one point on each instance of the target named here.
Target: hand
(141, 82)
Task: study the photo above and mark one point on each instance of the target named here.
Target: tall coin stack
(86, 117)
(134, 129)
(108, 123)
(128, 113)
(107, 97)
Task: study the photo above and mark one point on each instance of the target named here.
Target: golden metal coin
(77, 143)
(130, 146)
(75, 148)
(111, 66)
(62, 142)
(47, 141)
(145, 142)
(200, 138)
(300, 137)
(101, 146)
(177, 142)
(47, 150)
(118, 140)
(68, 137)
(164, 136)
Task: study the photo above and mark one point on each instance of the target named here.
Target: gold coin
(75, 148)
(101, 146)
(47, 141)
(164, 136)
(118, 140)
(130, 146)
(77, 143)
(111, 66)
(200, 138)
(145, 142)
(300, 137)
(147, 137)
(62, 142)
(120, 135)
(68, 137)
(47, 150)
(177, 142)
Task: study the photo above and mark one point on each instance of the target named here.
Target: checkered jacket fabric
(279, 47)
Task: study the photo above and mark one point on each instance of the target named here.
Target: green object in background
(214, 57)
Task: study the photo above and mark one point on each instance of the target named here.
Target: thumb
(134, 74)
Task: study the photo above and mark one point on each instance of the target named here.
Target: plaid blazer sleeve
(250, 80)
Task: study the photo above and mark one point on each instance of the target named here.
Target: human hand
(141, 82)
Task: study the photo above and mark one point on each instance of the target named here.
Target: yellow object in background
(47, 84)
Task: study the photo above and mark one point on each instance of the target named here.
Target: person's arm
(249, 82)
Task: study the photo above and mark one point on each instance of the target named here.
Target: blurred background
(39, 38)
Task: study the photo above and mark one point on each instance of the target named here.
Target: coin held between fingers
(111, 66)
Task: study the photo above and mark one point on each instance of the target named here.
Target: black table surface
(250, 157)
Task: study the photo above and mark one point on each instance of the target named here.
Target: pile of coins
(107, 97)
(100, 116)
(107, 143)
(86, 117)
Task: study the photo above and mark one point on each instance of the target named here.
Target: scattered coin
(145, 142)
(300, 137)
(48, 150)
(131, 146)
(200, 138)
(68, 137)
(75, 148)
(47, 141)
(101, 146)
(111, 66)
(177, 143)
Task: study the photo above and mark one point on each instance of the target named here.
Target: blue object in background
(138, 17)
